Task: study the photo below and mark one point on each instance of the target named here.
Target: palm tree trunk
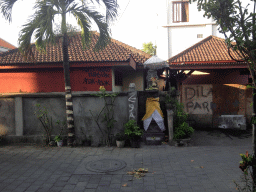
(68, 95)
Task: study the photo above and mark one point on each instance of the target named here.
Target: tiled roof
(115, 51)
(5, 44)
(210, 50)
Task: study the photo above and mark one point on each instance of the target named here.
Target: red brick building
(115, 67)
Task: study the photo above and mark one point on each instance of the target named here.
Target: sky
(137, 23)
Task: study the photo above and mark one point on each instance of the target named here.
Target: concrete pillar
(18, 116)
(170, 114)
(133, 102)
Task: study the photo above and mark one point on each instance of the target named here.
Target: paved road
(202, 167)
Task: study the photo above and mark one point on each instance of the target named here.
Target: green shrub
(132, 130)
(182, 129)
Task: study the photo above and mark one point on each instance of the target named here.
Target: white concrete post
(132, 102)
(170, 114)
(18, 116)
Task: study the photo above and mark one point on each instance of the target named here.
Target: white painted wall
(132, 76)
(174, 38)
(3, 49)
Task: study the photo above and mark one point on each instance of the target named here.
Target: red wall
(52, 80)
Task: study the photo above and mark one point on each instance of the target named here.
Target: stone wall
(17, 114)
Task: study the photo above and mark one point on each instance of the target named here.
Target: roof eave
(208, 65)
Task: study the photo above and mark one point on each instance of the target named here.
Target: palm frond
(25, 39)
(102, 25)
(111, 8)
(6, 8)
(84, 22)
(40, 24)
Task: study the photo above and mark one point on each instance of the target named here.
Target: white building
(185, 26)
(5, 46)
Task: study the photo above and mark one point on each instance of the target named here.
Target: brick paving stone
(173, 188)
(25, 185)
(57, 189)
(94, 181)
(67, 187)
(90, 190)
(149, 187)
(149, 183)
(161, 186)
(60, 183)
(79, 188)
(162, 190)
(106, 178)
(96, 176)
(124, 189)
(84, 178)
(10, 187)
(104, 183)
(91, 186)
(33, 188)
(116, 180)
(102, 188)
(63, 178)
(160, 181)
(115, 186)
(138, 181)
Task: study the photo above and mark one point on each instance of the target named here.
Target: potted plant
(182, 130)
(133, 131)
(58, 139)
(120, 140)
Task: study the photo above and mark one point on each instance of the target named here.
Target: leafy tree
(149, 48)
(237, 21)
(41, 26)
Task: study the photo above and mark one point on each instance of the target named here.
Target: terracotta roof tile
(113, 52)
(210, 49)
(5, 44)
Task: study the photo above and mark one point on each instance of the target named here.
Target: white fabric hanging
(158, 119)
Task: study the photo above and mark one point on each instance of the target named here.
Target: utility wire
(123, 12)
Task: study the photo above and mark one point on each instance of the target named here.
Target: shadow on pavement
(220, 137)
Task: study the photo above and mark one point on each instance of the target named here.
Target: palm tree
(41, 24)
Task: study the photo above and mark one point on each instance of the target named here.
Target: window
(199, 35)
(118, 78)
(180, 11)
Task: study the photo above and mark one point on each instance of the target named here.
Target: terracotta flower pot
(120, 144)
(60, 143)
